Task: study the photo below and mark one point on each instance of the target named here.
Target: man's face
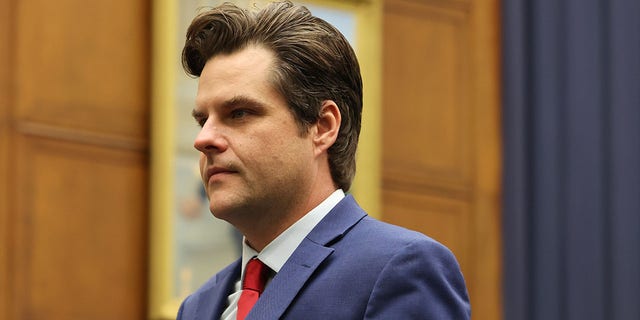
(253, 158)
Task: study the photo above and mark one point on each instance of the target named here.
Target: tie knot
(255, 275)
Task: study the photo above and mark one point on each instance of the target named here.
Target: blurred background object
(571, 89)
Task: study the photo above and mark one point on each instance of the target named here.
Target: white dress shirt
(278, 251)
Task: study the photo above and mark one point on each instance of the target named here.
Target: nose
(210, 139)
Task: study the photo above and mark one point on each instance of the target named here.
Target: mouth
(217, 172)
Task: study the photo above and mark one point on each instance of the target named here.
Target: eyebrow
(239, 100)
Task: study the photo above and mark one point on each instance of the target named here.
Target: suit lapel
(305, 260)
(288, 282)
(213, 300)
(338, 222)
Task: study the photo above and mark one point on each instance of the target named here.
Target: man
(279, 103)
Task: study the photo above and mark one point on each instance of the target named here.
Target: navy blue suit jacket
(350, 266)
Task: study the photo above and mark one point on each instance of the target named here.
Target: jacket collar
(313, 250)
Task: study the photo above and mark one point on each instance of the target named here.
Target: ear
(327, 126)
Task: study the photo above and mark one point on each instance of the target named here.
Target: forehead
(244, 72)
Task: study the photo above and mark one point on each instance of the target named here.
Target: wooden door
(74, 115)
(441, 143)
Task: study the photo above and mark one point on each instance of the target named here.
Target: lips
(217, 172)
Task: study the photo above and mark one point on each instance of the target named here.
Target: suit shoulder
(379, 231)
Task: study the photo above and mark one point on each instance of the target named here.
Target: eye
(200, 117)
(239, 113)
(201, 121)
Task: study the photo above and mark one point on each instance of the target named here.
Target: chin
(223, 210)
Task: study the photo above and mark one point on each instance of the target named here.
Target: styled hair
(314, 63)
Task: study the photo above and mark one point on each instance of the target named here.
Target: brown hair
(314, 63)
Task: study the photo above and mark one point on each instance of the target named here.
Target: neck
(264, 228)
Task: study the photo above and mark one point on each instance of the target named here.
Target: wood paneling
(441, 142)
(81, 66)
(427, 112)
(74, 119)
(5, 190)
(81, 216)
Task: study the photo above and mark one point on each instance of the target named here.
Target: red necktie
(255, 277)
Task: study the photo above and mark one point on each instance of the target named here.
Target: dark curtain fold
(571, 128)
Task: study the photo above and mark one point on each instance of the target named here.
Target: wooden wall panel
(80, 66)
(74, 120)
(5, 190)
(441, 140)
(81, 251)
(427, 114)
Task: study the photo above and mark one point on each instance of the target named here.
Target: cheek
(273, 149)
(268, 155)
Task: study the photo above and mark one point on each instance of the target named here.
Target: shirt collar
(278, 251)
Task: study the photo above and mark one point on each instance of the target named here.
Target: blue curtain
(571, 189)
